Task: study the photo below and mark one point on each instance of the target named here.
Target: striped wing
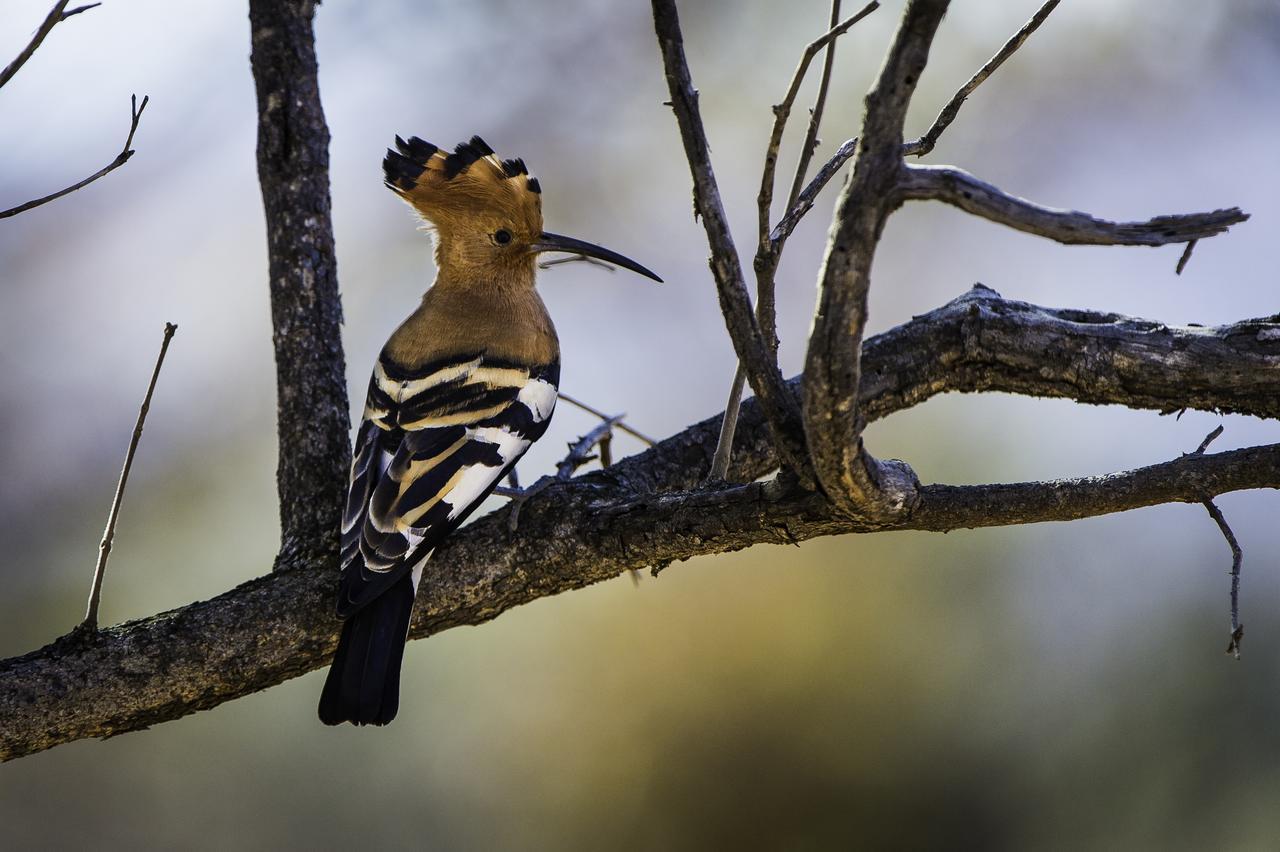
(433, 444)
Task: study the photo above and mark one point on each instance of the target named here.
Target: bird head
(486, 212)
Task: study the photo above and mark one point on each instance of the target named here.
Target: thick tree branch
(856, 483)
(633, 515)
(306, 310)
(963, 190)
(748, 341)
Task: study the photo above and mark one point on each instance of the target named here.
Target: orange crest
(468, 190)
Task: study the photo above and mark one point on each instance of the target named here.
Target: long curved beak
(557, 242)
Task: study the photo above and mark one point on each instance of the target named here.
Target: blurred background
(1050, 686)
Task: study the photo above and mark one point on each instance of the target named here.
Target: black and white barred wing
(430, 449)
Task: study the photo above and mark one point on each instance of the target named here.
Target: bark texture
(642, 513)
(649, 510)
(306, 308)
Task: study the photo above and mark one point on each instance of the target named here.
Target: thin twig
(56, 16)
(90, 623)
(1186, 256)
(728, 426)
(598, 413)
(804, 201)
(577, 258)
(579, 454)
(782, 410)
(769, 249)
(1070, 227)
(926, 142)
(123, 157)
(1237, 559)
(1208, 439)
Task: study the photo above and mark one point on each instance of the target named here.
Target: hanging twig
(1237, 559)
(123, 157)
(1237, 554)
(56, 16)
(90, 623)
(925, 143)
(1186, 256)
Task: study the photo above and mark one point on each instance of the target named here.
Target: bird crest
(469, 189)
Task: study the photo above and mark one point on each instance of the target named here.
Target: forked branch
(126, 152)
(57, 15)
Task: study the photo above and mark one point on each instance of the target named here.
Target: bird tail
(363, 686)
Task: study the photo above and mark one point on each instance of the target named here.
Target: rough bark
(640, 513)
(306, 309)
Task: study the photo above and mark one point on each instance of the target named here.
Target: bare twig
(577, 258)
(1208, 439)
(804, 201)
(748, 340)
(1071, 227)
(90, 623)
(728, 426)
(598, 413)
(123, 157)
(1237, 559)
(926, 142)
(1186, 256)
(280, 625)
(579, 454)
(769, 249)
(56, 16)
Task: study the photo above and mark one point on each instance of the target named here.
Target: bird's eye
(502, 236)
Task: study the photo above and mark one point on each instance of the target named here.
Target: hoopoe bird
(460, 391)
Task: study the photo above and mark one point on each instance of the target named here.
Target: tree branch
(858, 484)
(963, 190)
(306, 309)
(632, 515)
(90, 622)
(123, 157)
(769, 250)
(748, 341)
(925, 143)
(56, 16)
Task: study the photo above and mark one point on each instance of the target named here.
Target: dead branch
(925, 143)
(748, 340)
(56, 16)
(90, 623)
(769, 250)
(1237, 559)
(1071, 227)
(857, 483)
(126, 152)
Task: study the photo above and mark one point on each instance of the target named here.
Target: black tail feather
(363, 686)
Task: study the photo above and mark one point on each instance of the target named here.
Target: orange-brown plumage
(460, 391)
